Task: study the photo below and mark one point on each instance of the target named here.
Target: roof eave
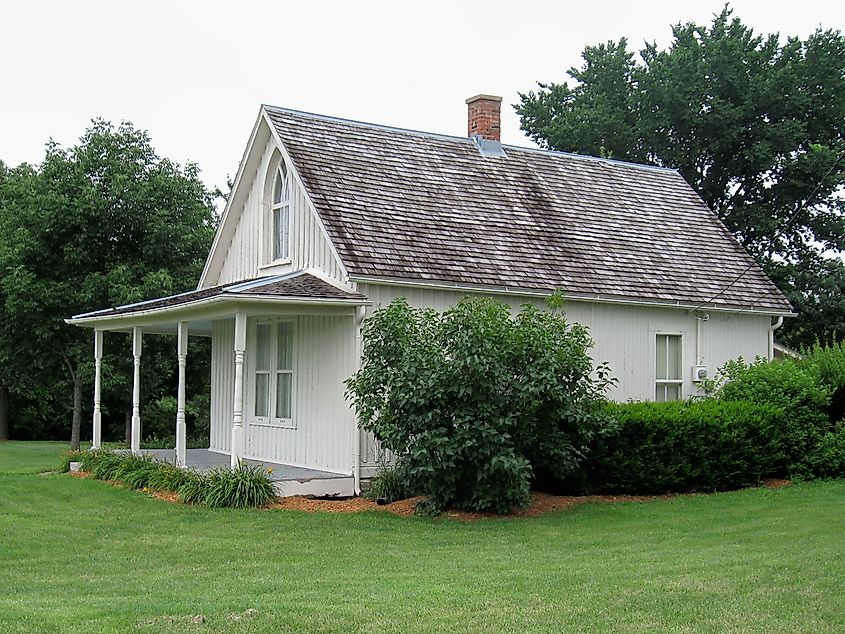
(573, 296)
(91, 320)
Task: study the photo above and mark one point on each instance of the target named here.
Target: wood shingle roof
(412, 206)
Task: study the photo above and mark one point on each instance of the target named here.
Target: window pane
(283, 394)
(262, 394)
(674, 342)
(277, 189)
(262, 347)
(660, 393)
(281, 231)
(284, 360)
(673, 391)
(661, 370)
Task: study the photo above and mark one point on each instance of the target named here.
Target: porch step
(343, 486)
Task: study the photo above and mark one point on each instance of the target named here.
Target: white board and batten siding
(624, 336)
(322, 422)
(248, 252)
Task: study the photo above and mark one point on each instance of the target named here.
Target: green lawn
(82, 556)
(30, 457)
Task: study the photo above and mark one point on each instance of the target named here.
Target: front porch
(287, 479)
(282, 347)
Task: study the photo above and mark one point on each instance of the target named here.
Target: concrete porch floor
(287, 479)
(205, 460)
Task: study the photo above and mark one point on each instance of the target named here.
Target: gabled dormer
(270, 225)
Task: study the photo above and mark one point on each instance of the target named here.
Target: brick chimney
(484, 117)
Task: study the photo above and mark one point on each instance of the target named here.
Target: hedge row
(707, 445)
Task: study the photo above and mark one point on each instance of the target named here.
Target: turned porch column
(238, 437)
(137, 336)
(97, 435)
(182, 345)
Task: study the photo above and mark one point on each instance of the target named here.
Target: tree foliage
(102, 223)
(474, 402)
(754, 124)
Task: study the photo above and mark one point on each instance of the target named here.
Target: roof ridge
(464, 140)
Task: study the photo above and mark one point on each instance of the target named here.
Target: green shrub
(684, 446)
(193, 488)
(389, 484)
(241, 487)
(827, 459)
(828, 363)
(471, 401)
(793, 386)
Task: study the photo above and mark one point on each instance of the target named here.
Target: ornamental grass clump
(241, 487)
(193, 488)
(168, 477)
(389, 485)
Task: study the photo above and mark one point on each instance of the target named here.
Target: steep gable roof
(412, 206)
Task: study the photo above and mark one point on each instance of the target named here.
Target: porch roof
(300, 288)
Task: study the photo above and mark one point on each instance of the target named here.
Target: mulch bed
(541, 503)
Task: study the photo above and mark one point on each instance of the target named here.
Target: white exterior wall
(624, 336)
(321, 433)
(222, 384)
(248, 253)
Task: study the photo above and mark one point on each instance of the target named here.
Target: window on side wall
(273, 373)
(280, 214)
(668, 368)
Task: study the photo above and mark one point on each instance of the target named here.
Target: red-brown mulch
(541, 503)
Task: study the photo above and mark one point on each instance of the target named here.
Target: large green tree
(754, 124)
(102, 223)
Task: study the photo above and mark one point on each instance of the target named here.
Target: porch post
(182, 346)
(238, 445)
(97, 435)
(137, 336)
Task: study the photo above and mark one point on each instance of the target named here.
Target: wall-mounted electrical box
(699, 373)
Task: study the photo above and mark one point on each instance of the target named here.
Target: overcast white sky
(195, 73)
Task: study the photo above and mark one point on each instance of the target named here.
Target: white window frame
(664, 382)
(280, 173)
(271, 420)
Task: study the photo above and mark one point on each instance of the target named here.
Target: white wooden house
(330, 219)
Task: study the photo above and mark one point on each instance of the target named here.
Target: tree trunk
(4, 412)
(129, 426)
(76, 426)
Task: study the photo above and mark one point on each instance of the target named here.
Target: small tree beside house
(475, 401)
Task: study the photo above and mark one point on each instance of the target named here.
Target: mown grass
(30, 457)
(83, 556)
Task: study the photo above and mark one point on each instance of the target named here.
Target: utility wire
(788, 224)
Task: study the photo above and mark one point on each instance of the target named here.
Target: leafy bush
(472, 400)
(245, 486)
(793, 386)
(389, 484)
(828, 363)
(694, 446)
(827, 459)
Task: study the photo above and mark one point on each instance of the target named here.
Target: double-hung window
(273, 373)
(280, 214)
(668, 368)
